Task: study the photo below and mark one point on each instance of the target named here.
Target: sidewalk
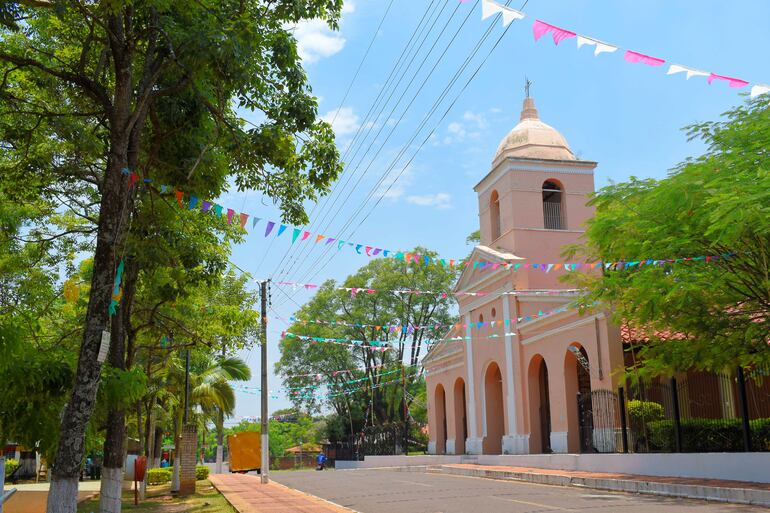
(707, 489)
(247, 495)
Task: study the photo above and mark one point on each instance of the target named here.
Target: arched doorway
(577, 382)
(539, 407)
(461, 420)
(440, 420)
(495, 411)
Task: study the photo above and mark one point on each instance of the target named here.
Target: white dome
(533, 139)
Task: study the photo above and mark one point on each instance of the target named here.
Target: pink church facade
(519, 391)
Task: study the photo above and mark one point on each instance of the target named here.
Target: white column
(513, 443)
(473, 443)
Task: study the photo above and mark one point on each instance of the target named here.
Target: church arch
(441, 433)
(577, 383)
(553, 205)
(539, 406)
(494, 214)
(494, 410)
(461, 416)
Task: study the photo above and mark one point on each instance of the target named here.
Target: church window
(494, 214)
(553, 206)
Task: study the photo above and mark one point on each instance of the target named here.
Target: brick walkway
(718, 483)
(247, 495)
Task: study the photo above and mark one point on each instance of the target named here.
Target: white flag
(490, 8)
(600, 46)
(691, 72)
(758, 89)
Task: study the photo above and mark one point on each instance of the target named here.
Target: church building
(516, 386)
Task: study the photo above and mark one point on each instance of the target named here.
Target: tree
(715, 208)
(85, 85)
(369, 317)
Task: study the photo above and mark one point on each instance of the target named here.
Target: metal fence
(699, 412)
(384, 440)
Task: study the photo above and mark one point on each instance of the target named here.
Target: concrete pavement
(386, 491)
(246, 494)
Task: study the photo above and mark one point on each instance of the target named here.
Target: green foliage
(10, 466)
(716, 204)
(122, 388)
(644, 411)
(300, 358)
(201, 472)
(708, 435)
(157, 476)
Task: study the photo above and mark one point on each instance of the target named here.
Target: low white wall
(752, 466)
(396, 461)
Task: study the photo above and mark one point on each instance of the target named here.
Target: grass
(159, 500)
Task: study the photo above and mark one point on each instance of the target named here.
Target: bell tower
(533, 200)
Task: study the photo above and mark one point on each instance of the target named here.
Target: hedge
(201, 472)
(10, 466)
(156, 476)
(708, 435)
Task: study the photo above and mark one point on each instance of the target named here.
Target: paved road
(386, 491)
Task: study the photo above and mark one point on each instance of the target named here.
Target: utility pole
(265, 446)
(406, 413)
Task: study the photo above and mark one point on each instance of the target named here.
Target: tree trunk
(220, 442)
(77, 413)
(158, 449)
(115, 440)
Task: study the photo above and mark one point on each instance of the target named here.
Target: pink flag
(368, 250)
(305, 235)
(634, 57)
(559, 34)
(734, 82)
(230, 214)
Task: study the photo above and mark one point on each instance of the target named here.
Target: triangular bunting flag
(244, 218)
(691, 72)
(254, 222)
(281, 229)
(179, 196)
(269, 228)
(319, 238)
(600, 47)
(230, 214)
(295, 234)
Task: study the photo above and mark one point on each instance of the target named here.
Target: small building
(515, 386)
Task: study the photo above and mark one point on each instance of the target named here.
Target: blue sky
(628, 117)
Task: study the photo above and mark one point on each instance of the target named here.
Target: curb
(700, 492)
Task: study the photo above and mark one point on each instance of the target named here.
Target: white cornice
(446, 368)
(569, 167)
(526, 341)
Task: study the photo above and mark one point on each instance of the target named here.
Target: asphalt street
(387, 491)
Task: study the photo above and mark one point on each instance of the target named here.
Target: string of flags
(117, 288)
(354, 291)
(558, 34)
(192, 202)
(409, 329)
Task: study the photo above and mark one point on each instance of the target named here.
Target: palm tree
(211, 395)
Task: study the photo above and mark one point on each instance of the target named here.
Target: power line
(436, 104)
(365, 123)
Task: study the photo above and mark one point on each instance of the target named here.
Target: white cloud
(479, 119)
(316, 41)
(344, 121)
(395, 184)
(348, 7)
(440, 200)
(471, 127)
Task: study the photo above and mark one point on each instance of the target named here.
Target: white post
(473, 444)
